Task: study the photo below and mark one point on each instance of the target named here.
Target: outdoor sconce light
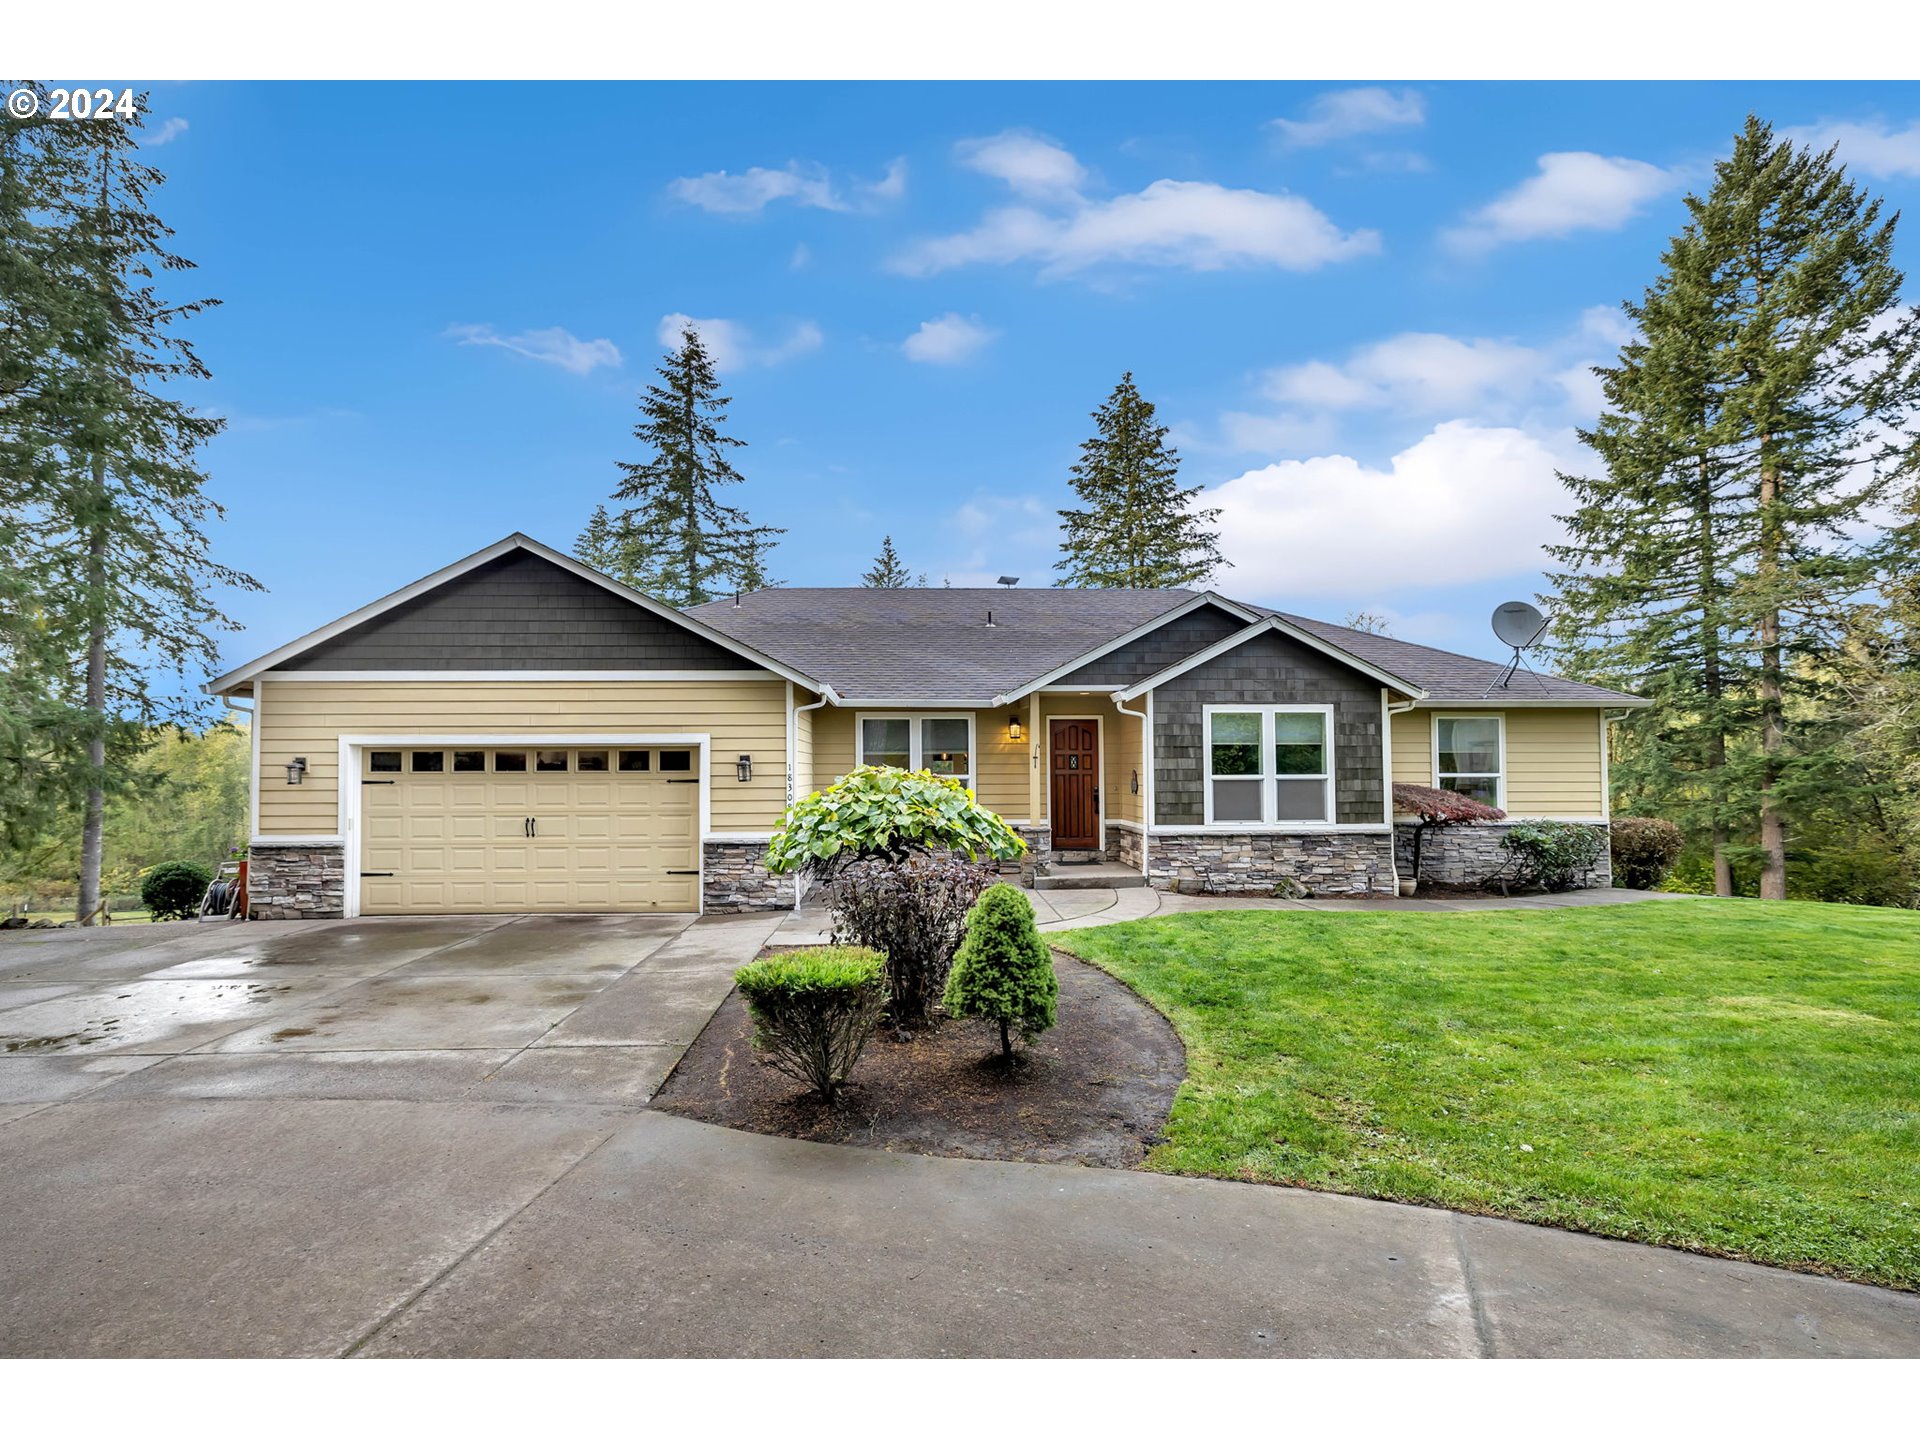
(296, 768)
(1136, 782)
(744, 766)
(1013, 727)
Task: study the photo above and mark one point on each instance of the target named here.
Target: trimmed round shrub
(1003, 973)
(1553, 854)
(1644, 850)
(173, 889)
(813, 1011)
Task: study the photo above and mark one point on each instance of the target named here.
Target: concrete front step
(1090, 877)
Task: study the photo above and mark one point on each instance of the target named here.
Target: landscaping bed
(1094, 1090)
(1728, 1076)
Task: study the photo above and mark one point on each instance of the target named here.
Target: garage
(509, 829)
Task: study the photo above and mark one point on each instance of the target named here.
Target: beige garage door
(463, 832)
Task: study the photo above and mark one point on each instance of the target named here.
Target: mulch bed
(1094, 1090)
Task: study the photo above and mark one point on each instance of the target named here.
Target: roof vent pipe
(990, 619)
(736, 599)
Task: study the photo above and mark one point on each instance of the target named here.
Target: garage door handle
(376, 874)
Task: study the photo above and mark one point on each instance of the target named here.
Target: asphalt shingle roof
(934, 645)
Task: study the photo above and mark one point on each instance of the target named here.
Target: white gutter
(1146, 778)
(793, 727)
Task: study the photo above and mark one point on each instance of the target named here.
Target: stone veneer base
(735, 878)
(1470, 853)
(296, 881)
(1251, 863)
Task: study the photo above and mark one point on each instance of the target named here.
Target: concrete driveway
(424, 1137)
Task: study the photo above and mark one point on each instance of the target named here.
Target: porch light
(744, 767)
(1136, 782)
(296, 768)
(1013, 727)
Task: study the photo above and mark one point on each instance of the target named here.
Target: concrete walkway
(1073, 909)
(430, 1138)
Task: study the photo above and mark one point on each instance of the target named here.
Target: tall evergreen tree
(104, 488)
(673, 539)
(1762, 413)
(889, 571)
(1138, 528)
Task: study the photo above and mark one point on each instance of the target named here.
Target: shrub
(1644, 850)
(1553, 853)
(1437, 808)
(1003, 971)
(877, 810)
(913, 911)
(173, 889)
(903, 854)
(813, 1011)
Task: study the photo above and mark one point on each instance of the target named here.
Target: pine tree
(1762, 413)
(105, 494)
(889, 571)
(675, 541)
(1138, 529)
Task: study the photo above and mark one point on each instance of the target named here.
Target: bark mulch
(1094, 1090)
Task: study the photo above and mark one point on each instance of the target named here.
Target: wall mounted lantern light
(1136, 782)
(744, 766)
(1013, 727)
(296, 768)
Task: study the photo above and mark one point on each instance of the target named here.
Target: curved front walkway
(431, 1138)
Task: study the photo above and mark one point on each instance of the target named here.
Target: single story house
(517, 732)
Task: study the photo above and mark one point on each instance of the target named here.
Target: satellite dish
(1518, 624)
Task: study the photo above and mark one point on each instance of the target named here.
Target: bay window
(1269, 765)
(942, 744)
(1468, 756)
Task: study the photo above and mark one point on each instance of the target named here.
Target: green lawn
(1731, 1076)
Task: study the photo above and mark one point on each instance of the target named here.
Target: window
(467, 761)
(509, 762)
(429, 762)
(1467, 756)
(590, 760)
(383, 761)
(550, 760)
(942, 744)
(676, 760)
(1270, 765)
(631, 760)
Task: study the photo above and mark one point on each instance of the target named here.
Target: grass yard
(1731, 1076)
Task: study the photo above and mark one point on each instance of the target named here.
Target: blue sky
(1366, 310)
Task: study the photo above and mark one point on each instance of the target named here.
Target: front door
(1074, 796)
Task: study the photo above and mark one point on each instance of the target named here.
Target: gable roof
(245, 674)
(1276, 624)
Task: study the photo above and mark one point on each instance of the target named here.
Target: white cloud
(1414, 373)
(1465, 503)
(949, 339)
(1574, 190)
(1030, 164)
(803, 182)
(1873, 147)
(801, 258)
(550, 347)
(170, 129)
(1338, 114)
(1192, 224)
(734, 346)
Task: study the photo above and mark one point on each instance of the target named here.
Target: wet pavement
(430, 1137)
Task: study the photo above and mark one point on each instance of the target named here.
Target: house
(517, 732)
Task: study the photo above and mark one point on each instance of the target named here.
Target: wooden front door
(1074, 793)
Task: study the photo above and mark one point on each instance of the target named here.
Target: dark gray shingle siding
(518, 612)
(1268, 670)
(1158, 650)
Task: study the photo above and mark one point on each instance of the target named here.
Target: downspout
(793, 728)
(1146, 773)
(1391, 709)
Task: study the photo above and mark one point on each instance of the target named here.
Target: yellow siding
(1553, 764)
(308, 717)
(1123, 763)
(1000, 764)
(803, 744)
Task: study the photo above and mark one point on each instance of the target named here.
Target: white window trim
(1500, 776)
(1266, 712)
(915, 751)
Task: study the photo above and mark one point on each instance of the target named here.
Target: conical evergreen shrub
(1003, 971)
